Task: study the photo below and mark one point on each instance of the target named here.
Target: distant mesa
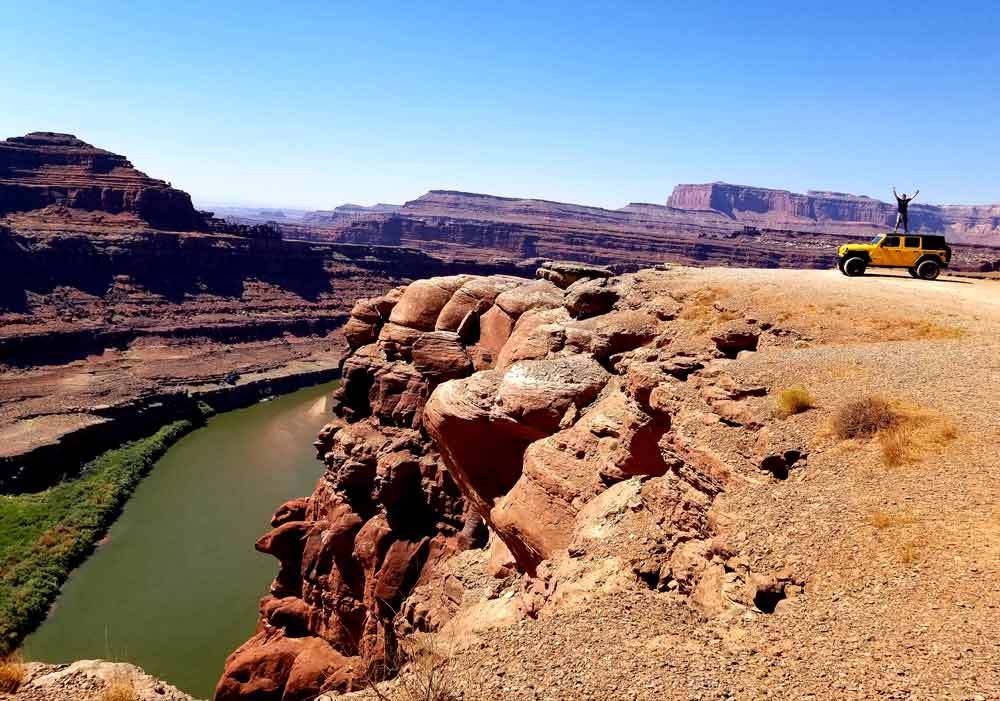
(45, 169)
(835, 211)
(348, 212)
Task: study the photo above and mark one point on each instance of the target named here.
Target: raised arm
(915, 195)
(894, 192)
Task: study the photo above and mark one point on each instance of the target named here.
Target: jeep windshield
(877, 239)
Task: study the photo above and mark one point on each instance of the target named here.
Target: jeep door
(911, 251)
(890, 252)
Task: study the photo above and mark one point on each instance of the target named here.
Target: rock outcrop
(553, 413)
(45, 169)
(92, 679)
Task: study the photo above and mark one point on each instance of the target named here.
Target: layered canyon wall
(119, 302)
(713, 224)
(45, 169)
(836, 212)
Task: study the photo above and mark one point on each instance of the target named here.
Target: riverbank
(48, 531)
(39, 450)
(44, 535)
(174, 585)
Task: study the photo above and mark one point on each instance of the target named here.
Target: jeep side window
(890, 242)
(912, 242)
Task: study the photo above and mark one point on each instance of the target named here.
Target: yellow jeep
(922, 256)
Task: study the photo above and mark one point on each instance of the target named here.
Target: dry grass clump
(918, 433)
(423, 665)
(793, 400)
(905, 433)
(120, 688)
(863, 418)
(883, 519)
(703, 305)
(911, 552)
(902, 329)
(895, 445)
(12, 673)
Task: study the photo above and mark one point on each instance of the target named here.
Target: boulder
(484, 423)
(538, 294)
(536, 335)
(565, 273)
(735, 336)
(495, 327)
(478, 294)
(591, 297)
(421, 303)
(440, 356)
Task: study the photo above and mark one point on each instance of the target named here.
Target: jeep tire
(912, 272)
(855, 266)
(928, 269)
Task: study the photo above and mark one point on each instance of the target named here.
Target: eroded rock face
(45, 168)
(548, 413)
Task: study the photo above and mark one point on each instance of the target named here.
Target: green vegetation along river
(175, 585)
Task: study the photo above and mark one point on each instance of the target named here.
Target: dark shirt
(902, 203)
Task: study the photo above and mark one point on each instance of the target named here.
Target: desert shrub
(863, 418)
(793, 400)
(423, 668)
(12, 673)
(120, 688)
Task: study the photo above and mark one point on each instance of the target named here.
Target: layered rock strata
(715, 224)
(43, 169)
(835, 211)
(548, 411)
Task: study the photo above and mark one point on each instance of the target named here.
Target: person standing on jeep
(902, 204)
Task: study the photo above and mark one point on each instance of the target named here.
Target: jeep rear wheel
(929, 269)
(855, 266)
(912, 272)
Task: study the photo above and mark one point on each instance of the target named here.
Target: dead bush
(121, 687)
(863, 418)
(423, 668)
(12, 673)
(793, 400)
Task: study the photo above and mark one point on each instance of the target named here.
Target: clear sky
(316, 104)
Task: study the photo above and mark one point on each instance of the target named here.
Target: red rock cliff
(45, 168)
(834, 210)
(545, 409)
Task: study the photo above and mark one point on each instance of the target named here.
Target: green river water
(174, 586)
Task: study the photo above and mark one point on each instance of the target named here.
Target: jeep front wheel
(929, 269)
(854, 266)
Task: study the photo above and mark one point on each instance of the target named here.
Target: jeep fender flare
(864, 255)
(928, 256)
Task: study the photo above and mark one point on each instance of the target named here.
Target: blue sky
(316, 104)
